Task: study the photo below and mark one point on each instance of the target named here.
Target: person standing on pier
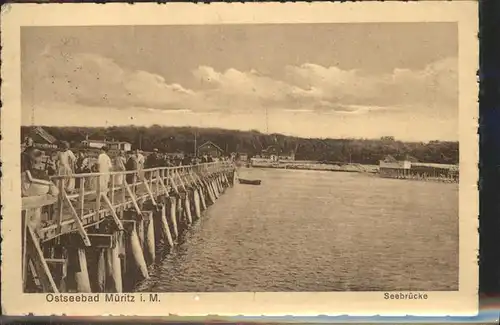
(105, 166)
(82, 166)
(153, 159)
(66, 166)
(50, 165)
(28, 142)
(140, 163)
(163, 160)
(169, 162)
(131, 165)
(30, 161)
(140, 157)
(120, 162)
(186, 161)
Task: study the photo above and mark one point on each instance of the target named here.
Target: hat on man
(65, 145)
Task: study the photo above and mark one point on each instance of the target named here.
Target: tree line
(185, 139)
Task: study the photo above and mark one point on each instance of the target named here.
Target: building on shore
(289, 157)
(430, 170)
(113, 145)
(392, 168)
(270, 153)
(242, 156)
(274, 153)
(210, 148)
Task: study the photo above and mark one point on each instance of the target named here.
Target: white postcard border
(461, 303)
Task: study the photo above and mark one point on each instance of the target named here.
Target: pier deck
(169, 195)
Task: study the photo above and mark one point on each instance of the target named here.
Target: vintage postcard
(240, 159)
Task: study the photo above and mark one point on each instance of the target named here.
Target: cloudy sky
(313, 80)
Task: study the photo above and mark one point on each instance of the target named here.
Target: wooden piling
(219, 186)
(62, 266)
(149, 240)
(80, 269)
(217, 183)
(134, 253)
(211, 192)
(101, 270)
(167, 236)
(180, 214)
(214, 187)
(201, 194)
(207, 193)
(196, 202)
(173, 215)
(140, 231)
(114, 267)
(187, 209)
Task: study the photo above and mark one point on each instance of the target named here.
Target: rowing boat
(249, 182)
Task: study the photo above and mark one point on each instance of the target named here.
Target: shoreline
(348, 168)
(313, 169)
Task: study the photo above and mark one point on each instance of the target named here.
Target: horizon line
(249, 130)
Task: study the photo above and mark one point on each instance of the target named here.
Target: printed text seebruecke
(406, 296)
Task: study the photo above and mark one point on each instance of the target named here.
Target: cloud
(244, 90)
(92, 80)
(435, 85)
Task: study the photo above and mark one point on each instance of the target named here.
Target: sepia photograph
(239, 157)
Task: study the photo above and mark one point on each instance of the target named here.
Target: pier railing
(86, 199)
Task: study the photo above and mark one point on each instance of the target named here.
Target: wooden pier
(103, 238)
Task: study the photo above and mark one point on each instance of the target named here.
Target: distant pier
(104, 240)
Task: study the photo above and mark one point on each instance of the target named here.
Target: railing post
(166, 179)
(82, 197)
(123, 189)
(157, 179)
(60, 211)
(113, 189)
(151, 177)
(162, 176)
(98, 196)
(134, 184)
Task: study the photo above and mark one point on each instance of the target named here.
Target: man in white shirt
(140, 164)
(67, 159)
(140, 158)
(105, 166)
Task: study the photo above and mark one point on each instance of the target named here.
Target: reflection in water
(319, 231)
